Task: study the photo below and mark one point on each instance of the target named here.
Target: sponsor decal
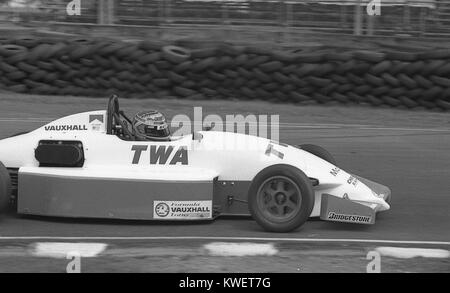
(96, 122)
(335, 171)
(93, 118)
(200, 209)
(349, 218)
(65, 128)
(352, 181)
(271, 151)
(161, 154)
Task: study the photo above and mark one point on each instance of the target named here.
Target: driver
(150, 125)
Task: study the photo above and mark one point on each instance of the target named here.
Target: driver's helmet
(150, 125)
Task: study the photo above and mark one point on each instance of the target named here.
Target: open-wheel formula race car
(89, 165)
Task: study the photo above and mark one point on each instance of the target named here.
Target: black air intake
(52, 153)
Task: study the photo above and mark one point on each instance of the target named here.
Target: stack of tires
(150, 69)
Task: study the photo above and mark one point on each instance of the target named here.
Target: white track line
(404, 129)
(240, 249)
(223, 238)
(282, 125)
(402, 252)
(62, 250)
(38, 120)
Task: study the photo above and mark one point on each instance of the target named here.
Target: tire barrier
(89, 67)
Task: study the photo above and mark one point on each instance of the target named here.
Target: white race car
(89, 165)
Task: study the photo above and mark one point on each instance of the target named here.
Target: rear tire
(281, 198)
(319, 152)
(5, 188)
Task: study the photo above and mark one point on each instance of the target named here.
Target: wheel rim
(279, 198)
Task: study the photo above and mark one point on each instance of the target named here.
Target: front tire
(281, 198)
(5, 188)
(319, 152)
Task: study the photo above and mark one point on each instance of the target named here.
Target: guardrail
(344, 16)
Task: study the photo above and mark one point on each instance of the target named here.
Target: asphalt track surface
(414, 164)
(413, 159)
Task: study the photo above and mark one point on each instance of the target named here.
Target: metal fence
(414, 17)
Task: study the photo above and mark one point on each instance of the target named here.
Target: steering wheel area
(117, 120)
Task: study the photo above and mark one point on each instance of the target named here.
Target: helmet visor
(161, 130)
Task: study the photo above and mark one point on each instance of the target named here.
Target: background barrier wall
(412, 17)
(89, 67)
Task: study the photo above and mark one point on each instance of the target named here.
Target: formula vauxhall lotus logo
(162, 209)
